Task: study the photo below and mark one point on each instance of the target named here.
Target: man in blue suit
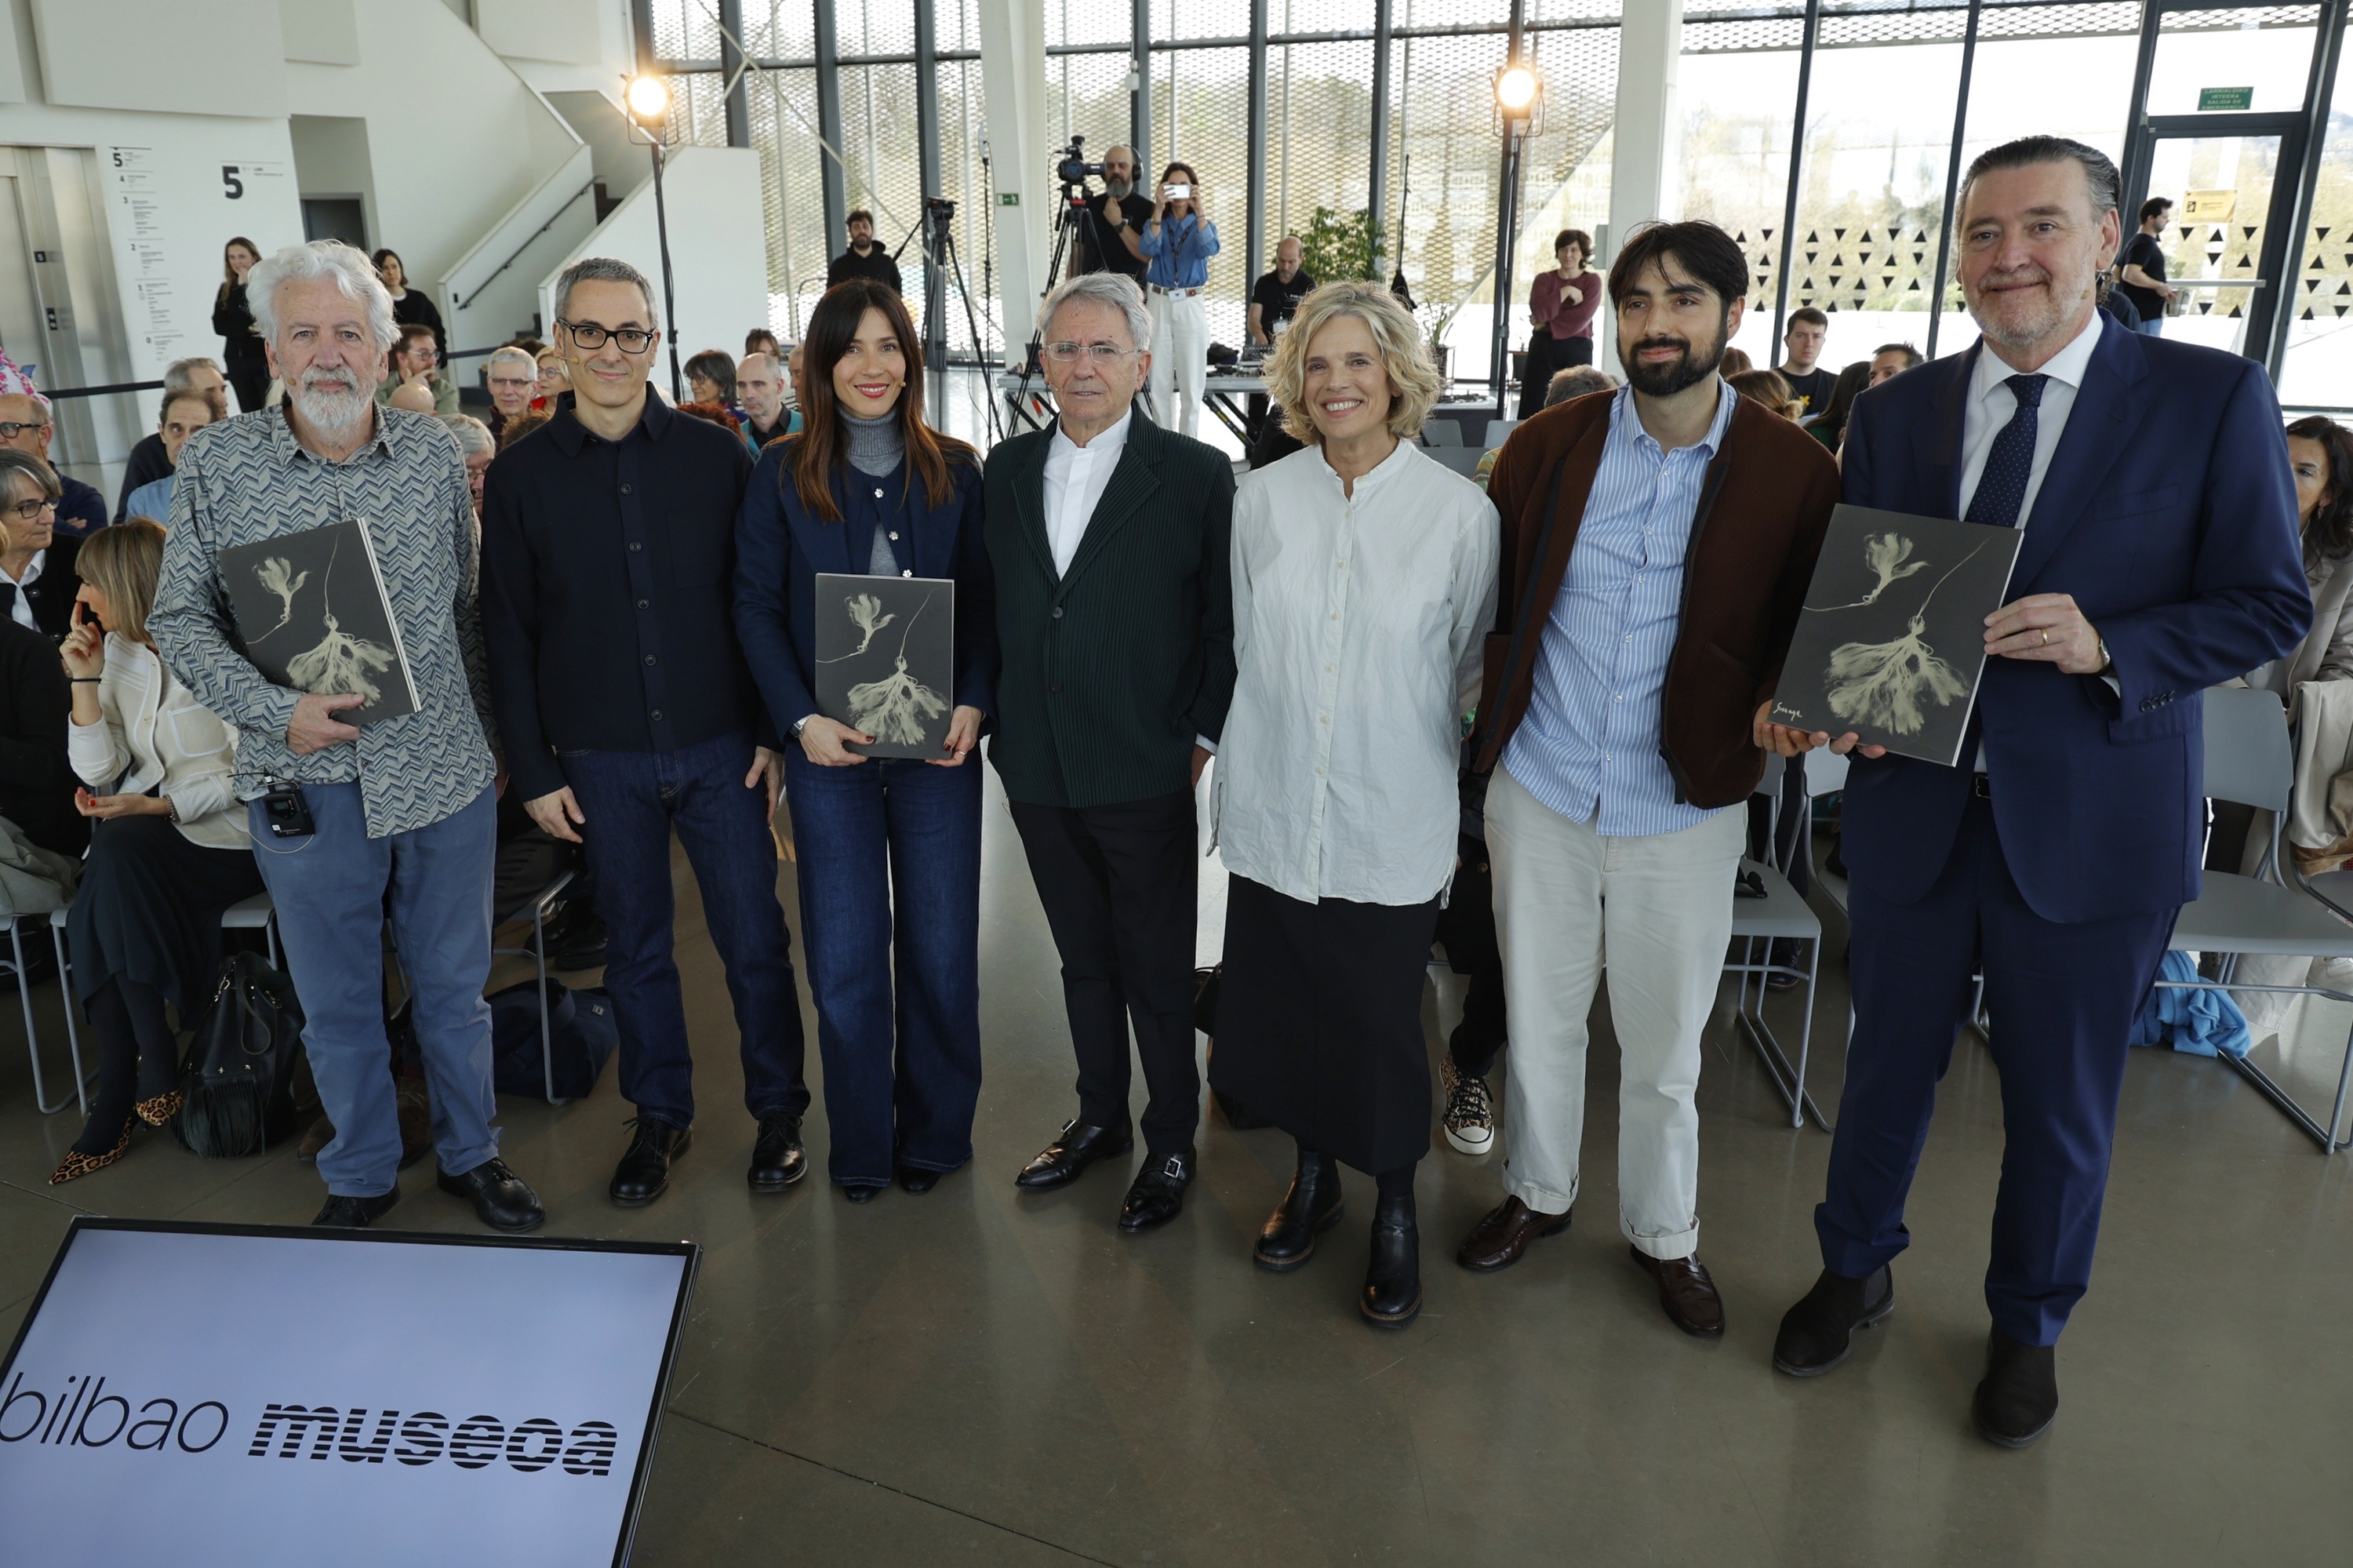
(2160, 557)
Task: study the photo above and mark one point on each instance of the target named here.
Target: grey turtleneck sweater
(876, 447)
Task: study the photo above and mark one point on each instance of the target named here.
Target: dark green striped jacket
(1111, 670)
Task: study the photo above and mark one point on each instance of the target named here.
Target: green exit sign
(2225, 99)
(1008, 198)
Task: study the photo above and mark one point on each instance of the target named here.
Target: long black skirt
(1319, 1021)
(149, 908)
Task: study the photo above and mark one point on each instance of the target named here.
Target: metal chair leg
(41, 1101)
(547, 1033)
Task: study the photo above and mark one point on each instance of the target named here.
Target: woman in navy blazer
(888, 850)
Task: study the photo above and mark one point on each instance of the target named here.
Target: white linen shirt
(1076, 477)
(1358, 627)
(154, 732)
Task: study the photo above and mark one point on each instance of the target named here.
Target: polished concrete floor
(974, 1377)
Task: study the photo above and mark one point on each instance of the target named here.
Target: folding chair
(15, 965)
(1498, 432)
(1463, 461)
(2249, 760)
(1780, 916)
(1442, 432)
(539, 907)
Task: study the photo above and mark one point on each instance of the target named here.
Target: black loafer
(1157, 1194)
(914, 1179)
(2018, 1398)
(1060, 1162)
(356, 1214)
(501, 1199)
(777, 1158)
(1312, 1207)
(1818, 1332)
(862, 1191)
(1392, 1296)
(644, 1169)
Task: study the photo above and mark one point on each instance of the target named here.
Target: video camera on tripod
(1070, 167)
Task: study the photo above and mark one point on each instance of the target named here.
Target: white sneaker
(1470, 1116)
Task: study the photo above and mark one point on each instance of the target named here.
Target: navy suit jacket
(2168, 512)
(780, 548)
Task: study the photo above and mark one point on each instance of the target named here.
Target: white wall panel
(187, 57)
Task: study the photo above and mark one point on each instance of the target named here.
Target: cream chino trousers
(1661, 906)
(1180, 360)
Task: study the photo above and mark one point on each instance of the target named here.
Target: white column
(1013, 73)
(1642, 159)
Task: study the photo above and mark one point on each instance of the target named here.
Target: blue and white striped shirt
(1589, 747)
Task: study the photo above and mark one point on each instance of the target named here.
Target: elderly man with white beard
(399, 815)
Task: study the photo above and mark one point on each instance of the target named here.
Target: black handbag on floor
(581, 1036)
(238, 1082)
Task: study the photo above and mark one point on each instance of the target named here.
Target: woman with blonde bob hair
(1364, 583)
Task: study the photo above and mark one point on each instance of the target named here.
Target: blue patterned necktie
(2001, 488)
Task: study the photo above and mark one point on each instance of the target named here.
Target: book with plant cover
(1891, 644)
(885, 652)
(313, 614)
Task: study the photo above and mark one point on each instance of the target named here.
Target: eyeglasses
(589, 335)
(30, 510)
(11, 429)
(1071, 353)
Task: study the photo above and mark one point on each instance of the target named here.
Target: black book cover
(1891, 644)
(886, 659)
(312, 615)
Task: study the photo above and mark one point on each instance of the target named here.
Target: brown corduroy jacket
(1758, 528)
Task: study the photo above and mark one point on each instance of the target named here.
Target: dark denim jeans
(632, 800)
(889, 852)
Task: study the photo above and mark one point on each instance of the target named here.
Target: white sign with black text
(198, 1395)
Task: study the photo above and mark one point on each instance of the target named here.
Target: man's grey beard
(2025, 338)
(334, 408)
(1119, 190)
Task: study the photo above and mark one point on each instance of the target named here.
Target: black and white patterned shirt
(248, 479)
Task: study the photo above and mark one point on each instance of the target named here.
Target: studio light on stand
(1519, 110)
(648, 100)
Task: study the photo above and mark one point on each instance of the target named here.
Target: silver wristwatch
(799, 725)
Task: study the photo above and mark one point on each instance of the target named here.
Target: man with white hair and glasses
(511, 376)
(399, 815)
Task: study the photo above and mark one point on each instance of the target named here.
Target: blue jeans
(631, 801)
(2153, 325)
(330, 889)
(890, 873)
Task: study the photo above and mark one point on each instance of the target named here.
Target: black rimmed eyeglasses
(590, 337)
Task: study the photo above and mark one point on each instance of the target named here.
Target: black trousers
(1548, 356)
(1118, 884)
(250, 380)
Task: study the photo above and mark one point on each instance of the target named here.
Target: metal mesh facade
(1200, 115)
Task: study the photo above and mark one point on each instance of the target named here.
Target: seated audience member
(797, 372)
(416, 362)
(511, 376)
(168, 849)
(1809, 382)
(711, 378)
(716, 413)
(25, 427)
(413, 397)
(553, 379)
(36, 782)
(1735, 363)
(760, 386)
(183, 415)
(1828, 426)
(2117, 302)
(1769, 388)
(523, 425)
(760, 340)
(1575, 381)
(478, 446)
(1890, 360)
(37, 559)
(2320, 454)
(149, 462)
(530, 345)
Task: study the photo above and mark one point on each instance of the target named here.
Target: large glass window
(2318, 370)
(1738, 84)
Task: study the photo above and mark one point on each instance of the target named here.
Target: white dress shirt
(1991, 403)
(1075, 478)
(153, 732)
(21, 611)
(1359, 623)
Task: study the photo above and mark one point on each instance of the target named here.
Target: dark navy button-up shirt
(608, 583)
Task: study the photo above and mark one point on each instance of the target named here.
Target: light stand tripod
(940, 261)
(1073, 213)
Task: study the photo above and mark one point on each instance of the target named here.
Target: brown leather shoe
(1497, 1241)
(1687, 1293)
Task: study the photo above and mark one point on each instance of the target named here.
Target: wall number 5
(230, 183)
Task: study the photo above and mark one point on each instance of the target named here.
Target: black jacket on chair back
(1111, 670)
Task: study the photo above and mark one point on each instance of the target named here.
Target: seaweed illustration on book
(339, 663)
(1883, 683)
(894, 709)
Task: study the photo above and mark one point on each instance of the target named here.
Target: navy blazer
(2170, 513)
(780, 548)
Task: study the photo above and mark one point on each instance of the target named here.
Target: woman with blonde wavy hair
(1364, 582)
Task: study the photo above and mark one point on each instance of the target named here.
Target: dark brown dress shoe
(1497, 1241)
(1687, 1293)
(2018, 1398)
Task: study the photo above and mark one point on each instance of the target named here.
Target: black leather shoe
(1312, 1206)
(777, 1158)
(914, 1179)
(2018, 1398)
(1061, 1161)
(357, 1213)
(644, 1169)
(1392, 1296)
(1818, 1332)
(862, 1192)
(501, 1199)
(1157, 1194)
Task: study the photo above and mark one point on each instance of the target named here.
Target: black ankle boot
(1393, 1280)
(1312, 1205)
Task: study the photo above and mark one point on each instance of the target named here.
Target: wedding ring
(2046, 639)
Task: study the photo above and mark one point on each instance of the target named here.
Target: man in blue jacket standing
(2160, 557)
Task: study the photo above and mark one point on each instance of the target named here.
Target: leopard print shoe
(77, 1164)
(160, 1110)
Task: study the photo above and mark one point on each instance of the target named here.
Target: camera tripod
(942, 262)
(1072, 212)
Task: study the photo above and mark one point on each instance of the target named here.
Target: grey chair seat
(1463, 461)
(2239, 914)
(1779, 914)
